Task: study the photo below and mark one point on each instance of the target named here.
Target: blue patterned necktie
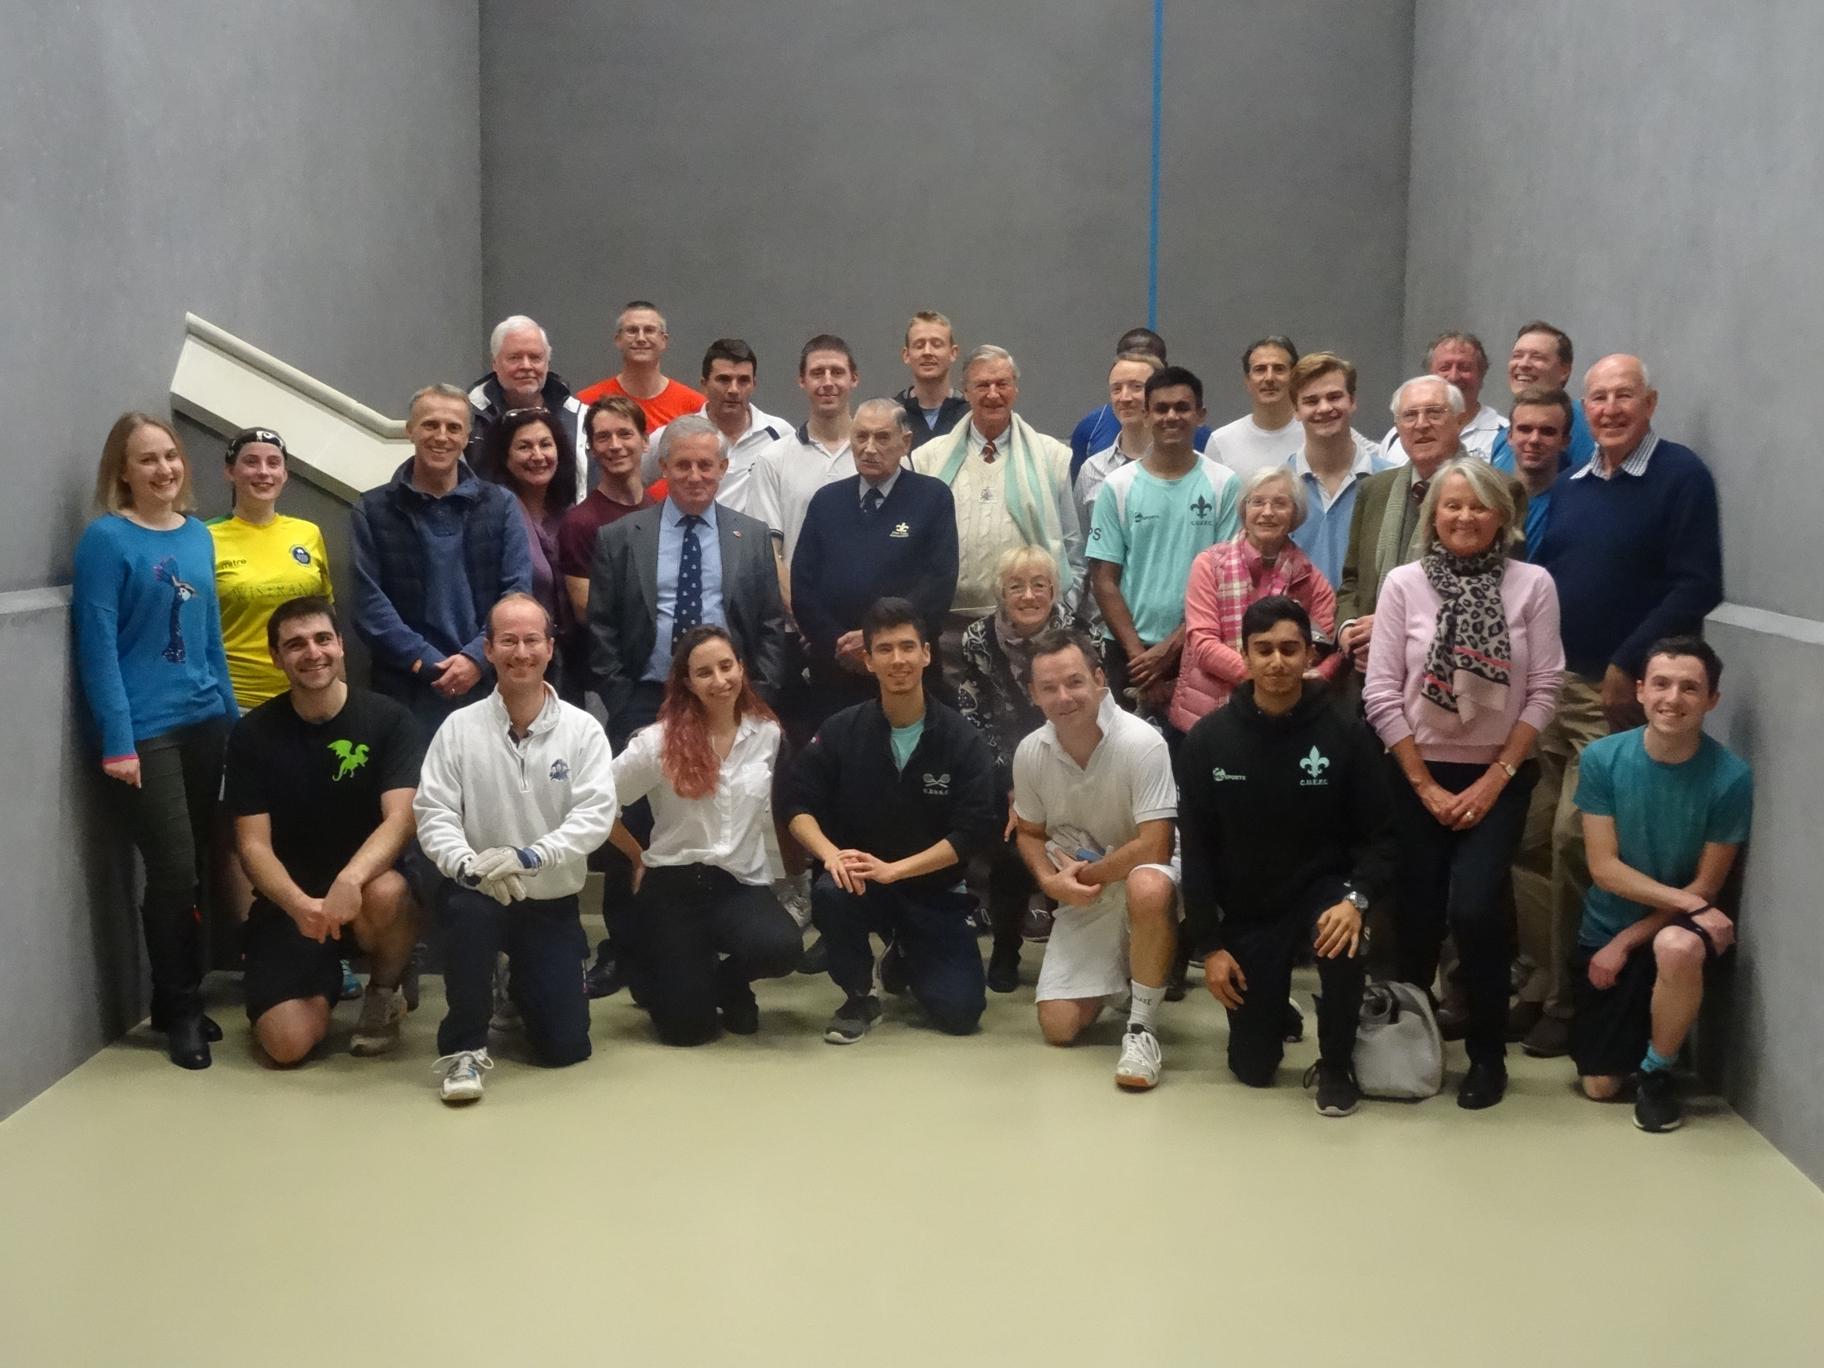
(872, 500)
(690, 581)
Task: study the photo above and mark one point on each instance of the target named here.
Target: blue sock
(1655, 1062)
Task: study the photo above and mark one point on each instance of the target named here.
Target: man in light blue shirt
(1152, 517)
(1541, 359)
(1333, 461)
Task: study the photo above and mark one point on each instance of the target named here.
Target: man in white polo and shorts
(1094, 803)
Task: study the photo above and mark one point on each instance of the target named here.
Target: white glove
(505, 889)
(493, 862)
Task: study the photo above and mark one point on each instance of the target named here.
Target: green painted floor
(913, 1200)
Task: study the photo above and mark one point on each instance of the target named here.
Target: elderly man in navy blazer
(885, 532)
(659, 572)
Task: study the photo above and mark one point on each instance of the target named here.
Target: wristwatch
(1356, 900)
(1512, 770)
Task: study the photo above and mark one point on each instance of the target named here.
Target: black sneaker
(852, 1020)
(815, 959)
(741, 1014)
(1656, 1105)
(1004, 968)
(893, 972)
(1337, 1093)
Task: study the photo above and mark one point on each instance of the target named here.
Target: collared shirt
(1478, 437)
(732, 828)
(1095, 471)
(885, 486)
(1324, 534)
(671, 547)
(1635, 463)
(736, 488)
(786, 474)
(1538, 512)
(1505, 459)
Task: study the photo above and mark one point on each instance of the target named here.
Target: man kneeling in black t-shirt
(320, 783)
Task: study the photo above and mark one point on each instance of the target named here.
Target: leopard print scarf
(1471, 659)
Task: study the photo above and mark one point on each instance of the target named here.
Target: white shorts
(1086, 956)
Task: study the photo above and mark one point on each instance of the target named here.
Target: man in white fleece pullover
(517, 790)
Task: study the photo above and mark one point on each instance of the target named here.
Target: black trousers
(930, 931)
(544, 939)
(1454, 881)
(1010, 887)
(1265, 951)
(686, 918)
(172, 817)
(640, 710)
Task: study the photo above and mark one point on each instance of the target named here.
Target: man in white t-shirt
(1460, 358)
(817, 453)
(1094, 802)
(1269, 433)
(730, 371)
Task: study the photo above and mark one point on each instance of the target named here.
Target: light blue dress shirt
(671, 547)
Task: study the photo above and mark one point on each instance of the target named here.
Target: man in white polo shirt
(1094, 801)
(729, 372)
(817, 453)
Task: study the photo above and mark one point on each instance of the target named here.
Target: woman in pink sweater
(1463, 671)
(1227, 577)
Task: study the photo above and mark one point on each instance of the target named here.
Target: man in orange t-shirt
(641, 338)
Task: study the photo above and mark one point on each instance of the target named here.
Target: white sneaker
(462, 1076)
(382, 1009)
(1141, 1059)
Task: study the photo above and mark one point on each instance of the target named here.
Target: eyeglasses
(540, 409)
(1260, 504)
(1437, 413)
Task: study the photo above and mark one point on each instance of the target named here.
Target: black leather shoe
(161, 1022)
(188, 1042)
(741, 1015)
(606, 977)
(1004, 968)
(1484, 1085)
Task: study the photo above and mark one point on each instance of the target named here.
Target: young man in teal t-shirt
(1665, 812)
(1151, 519)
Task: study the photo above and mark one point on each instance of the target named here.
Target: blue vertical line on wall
(1152, 217)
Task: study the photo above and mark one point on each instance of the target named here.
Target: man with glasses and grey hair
(1460, 359)
(642, 337)
(522, 378)
(1012, 487)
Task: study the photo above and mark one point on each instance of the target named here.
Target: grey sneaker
(462, 1075)
(852, 1020)
(382, 1009)
(1337, 1093)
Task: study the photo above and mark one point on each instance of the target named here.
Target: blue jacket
(399, 611)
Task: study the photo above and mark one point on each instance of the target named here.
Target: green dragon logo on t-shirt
(353, 758)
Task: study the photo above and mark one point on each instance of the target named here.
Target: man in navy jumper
(435, 548)
(1634, 546)
(892, 797)
(887, 533)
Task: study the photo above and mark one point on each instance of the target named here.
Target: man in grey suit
(1428, 414)
(660, 571)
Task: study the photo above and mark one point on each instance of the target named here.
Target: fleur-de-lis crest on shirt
(1315, 763)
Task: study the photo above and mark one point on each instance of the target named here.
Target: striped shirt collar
(1635, 464)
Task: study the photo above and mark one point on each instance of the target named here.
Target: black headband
(248, 436)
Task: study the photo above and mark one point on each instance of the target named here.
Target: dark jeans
(930, 930)
(172, 817)
(640, 710)
(1454, 881)
(1265, 951)
(544, 939)
(1010, 887)
(685, 918)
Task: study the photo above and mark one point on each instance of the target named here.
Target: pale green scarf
(1028, 499)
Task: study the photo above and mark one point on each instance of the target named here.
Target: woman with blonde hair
(1463, 672)
(150, 663)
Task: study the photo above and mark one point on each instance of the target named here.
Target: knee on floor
(287, 1039)
(1600, 1087)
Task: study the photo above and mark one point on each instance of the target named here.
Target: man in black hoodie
(1284, 823)
(892, 797)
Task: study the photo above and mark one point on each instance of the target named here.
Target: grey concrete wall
(305, 175)
(784, 167)
(1645, 173)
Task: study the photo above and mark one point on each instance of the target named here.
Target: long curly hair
(560, 494)
(686, 758)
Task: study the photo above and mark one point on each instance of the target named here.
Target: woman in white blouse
(706, 923)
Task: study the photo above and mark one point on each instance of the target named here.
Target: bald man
(1634, 545)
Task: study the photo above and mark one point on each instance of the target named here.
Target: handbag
(1399, 1051)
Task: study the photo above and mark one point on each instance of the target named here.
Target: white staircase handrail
(338, 443)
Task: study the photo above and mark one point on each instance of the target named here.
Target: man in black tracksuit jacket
(892, 828)
(1283, 816)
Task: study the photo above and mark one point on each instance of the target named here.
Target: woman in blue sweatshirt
(150, 661)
